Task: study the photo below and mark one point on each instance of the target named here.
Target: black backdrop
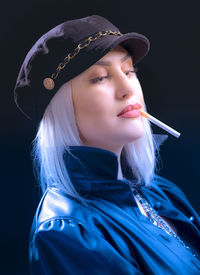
(169, 76)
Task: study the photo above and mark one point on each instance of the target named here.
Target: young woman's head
(74, 82)
(85, 112)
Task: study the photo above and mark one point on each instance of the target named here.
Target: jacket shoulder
(168, 187)
(64, 242)
(67, 246)
(55, 205)
(175, 194)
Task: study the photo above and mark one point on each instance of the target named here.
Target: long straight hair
(58, 130)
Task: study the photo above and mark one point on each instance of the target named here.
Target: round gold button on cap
(48, 83)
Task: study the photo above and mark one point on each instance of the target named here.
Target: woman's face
(100, 93)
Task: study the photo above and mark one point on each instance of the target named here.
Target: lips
(128, 108)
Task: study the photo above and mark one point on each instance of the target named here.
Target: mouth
(131, 111)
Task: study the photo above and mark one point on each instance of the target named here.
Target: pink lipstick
(131, 111)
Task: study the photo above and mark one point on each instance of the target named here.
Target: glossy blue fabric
(107, 234)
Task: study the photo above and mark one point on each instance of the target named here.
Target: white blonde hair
(58, 130)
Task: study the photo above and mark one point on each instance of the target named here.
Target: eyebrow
(108, 63)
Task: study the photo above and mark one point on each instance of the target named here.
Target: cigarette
(160, 124)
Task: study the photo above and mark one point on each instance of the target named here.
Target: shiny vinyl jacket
(108, 234)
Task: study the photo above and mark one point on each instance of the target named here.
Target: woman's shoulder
(64, 240)
(168, 187)
(55, 203)
(57, 208)
(171, 191)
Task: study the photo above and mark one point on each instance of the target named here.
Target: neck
(119, 176)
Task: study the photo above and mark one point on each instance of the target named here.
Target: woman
(104, 210)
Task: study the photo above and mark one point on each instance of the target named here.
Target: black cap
(63, 53)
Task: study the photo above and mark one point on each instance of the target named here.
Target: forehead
(116, 55)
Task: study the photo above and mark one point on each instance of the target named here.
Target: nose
(124, 86)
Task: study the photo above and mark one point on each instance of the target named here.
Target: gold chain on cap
(49, 83)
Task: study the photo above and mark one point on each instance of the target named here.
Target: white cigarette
(160, 124)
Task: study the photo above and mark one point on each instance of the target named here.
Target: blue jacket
(108, 234)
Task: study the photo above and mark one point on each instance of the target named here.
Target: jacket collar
(95, 170)
(91, 163)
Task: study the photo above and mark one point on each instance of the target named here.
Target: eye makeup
(98, 79)
(104, 75)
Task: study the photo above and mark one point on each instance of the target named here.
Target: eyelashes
(98, 79)
(135, 70)
(101, 78)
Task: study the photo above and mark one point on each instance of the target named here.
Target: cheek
(89, 108)
(139, 92)
(90, 118)
(141, 98)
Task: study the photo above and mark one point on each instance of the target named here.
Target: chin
(134, 136)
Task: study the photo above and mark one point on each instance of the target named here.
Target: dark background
(169, 76)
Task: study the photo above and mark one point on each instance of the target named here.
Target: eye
(134, 71)
(99, 79)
